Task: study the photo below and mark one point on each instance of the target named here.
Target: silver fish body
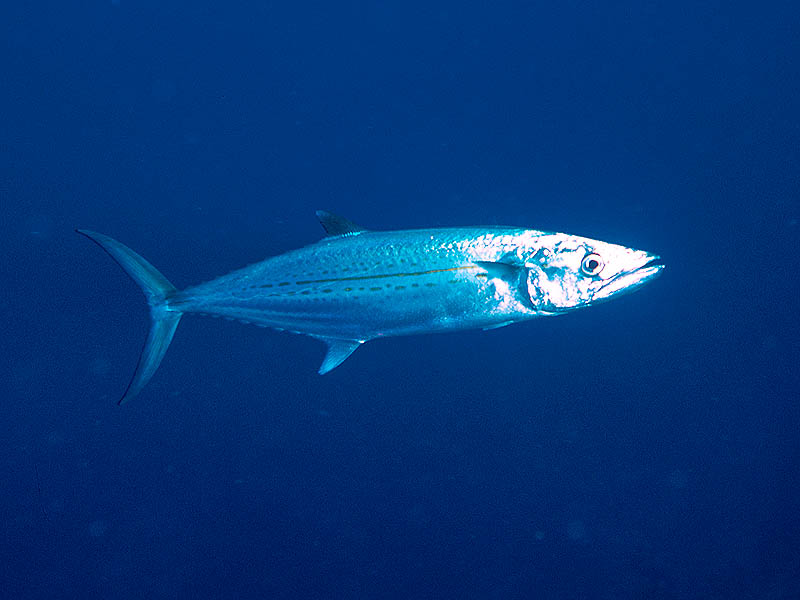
(368, 285)
(356, 285)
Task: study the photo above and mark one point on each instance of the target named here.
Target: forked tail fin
(157, 289)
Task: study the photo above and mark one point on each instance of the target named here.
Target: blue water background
(644, 448)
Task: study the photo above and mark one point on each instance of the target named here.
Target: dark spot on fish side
(375, 289)
(327, 291)
(283, 283)
(267, 285)
(399, 287)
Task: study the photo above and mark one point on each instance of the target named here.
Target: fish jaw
(651, 267)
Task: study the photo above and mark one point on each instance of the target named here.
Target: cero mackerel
(356, 285)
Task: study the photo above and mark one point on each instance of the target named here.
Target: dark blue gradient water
(644, 448)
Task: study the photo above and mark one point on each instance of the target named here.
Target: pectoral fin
(516, 276)
(338, 351)
(504, 271)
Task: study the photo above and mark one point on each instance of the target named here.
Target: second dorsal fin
(336, 225)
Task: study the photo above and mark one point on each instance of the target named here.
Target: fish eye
(592, 264)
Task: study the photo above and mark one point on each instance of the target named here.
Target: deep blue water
(644, 448)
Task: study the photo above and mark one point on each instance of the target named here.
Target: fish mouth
(629, 281)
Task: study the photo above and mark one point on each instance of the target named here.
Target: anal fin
(338, 352)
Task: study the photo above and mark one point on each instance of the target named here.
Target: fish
(357, 285)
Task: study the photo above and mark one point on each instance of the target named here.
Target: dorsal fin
(336, 225)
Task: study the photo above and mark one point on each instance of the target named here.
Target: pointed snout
(644, 268)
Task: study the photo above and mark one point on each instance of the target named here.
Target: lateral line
(363, 277)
